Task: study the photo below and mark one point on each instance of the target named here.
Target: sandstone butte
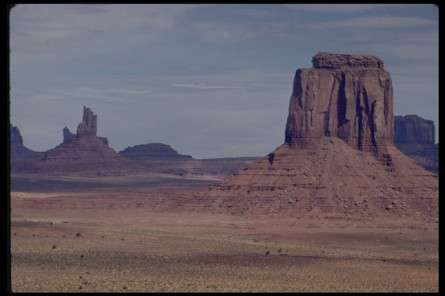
(338, 155)
(83, 151)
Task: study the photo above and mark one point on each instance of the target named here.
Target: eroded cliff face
(344, 96)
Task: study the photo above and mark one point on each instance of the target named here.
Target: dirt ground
(114, 240)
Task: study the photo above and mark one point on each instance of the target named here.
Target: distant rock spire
(88, 126)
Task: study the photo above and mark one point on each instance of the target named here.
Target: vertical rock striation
(344, 96)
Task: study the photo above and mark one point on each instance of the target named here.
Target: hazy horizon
(209, 80)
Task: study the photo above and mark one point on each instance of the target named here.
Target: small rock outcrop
(344, 96)
(152, 151)
(18, 150)
(67, 135)
(415, 137)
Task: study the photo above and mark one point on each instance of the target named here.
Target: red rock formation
(338, 157)
(83, 152)
(345, 96)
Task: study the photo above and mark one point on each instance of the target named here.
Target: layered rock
(338, 157)
(152, 151)
(337, 61)
(344, 96)
(415, 137)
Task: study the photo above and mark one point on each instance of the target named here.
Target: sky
(209, 80)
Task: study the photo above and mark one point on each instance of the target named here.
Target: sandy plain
(78, 238)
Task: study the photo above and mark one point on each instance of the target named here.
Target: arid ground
(68, 235)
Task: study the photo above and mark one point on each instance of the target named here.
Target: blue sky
(210, 80)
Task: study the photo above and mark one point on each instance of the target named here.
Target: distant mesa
(80, 152)
(415, 137)
(152, 151)
(413, 129)
(85, 152)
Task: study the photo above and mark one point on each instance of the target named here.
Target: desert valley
(348, 202)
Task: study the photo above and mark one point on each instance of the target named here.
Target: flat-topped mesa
(152, 151)
(88, 126)
(413, 129)
(414, 136)
(338, 61)
(344, 96)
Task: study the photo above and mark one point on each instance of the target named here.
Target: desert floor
(111, 239)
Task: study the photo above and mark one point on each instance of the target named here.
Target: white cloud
(44, 27)
(376, 22)
(336, 8)
(203, 86)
